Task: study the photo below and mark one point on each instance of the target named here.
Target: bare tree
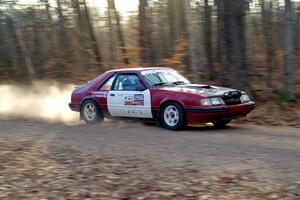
(11, 45)
(288, 49)
(163, 42)
(49, 27)
(208, 41)
(18, 28)
(81, 33)
(174, 19)
(222, 43)
(177, 33)
(237, 30)
(145, 40)
(125, 57)
(62, 36)
(111, 52)
(94, 41)
(191, 43)
(267, 18)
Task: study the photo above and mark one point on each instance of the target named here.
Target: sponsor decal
(129, 98)
(99, 94)
(134, 100)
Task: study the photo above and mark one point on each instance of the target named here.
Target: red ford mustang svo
(160, 94)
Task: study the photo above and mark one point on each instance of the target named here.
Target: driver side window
(128, 82)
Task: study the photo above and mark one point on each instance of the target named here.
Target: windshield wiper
(178, 82)
(158, 84)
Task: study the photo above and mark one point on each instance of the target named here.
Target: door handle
(112, 95)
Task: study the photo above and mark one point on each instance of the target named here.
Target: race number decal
(134, 100)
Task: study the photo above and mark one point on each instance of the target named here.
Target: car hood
(204, 90)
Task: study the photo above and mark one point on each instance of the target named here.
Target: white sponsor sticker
(99, 94)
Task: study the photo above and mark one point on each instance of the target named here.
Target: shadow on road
(194, 127)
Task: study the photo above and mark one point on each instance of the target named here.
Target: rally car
(159, 94)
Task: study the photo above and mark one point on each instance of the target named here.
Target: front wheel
(172, 116)
(221, 123)
(91, 113)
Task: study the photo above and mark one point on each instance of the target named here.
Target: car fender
(159, 98)
(165, 100)
(89, 97)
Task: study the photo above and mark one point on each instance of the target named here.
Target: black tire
(221, 123)
(174, 124)
(91, 113)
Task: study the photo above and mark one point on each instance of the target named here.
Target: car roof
(139, 69)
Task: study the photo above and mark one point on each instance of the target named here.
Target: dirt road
(129, 160)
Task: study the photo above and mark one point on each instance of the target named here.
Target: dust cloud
(41, 100)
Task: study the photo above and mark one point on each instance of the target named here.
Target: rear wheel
(172, 116)
(221, 123)
(91, 113)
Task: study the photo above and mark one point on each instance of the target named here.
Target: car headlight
(217, 101)
(205, 102)
(244, 98)
(214, 101)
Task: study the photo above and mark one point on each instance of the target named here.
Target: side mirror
(140, 88)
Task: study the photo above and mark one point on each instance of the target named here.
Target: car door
(129, 97)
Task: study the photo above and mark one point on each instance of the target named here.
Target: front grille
(232, 101)
(232, 97)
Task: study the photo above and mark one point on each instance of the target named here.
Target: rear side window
(107, 84)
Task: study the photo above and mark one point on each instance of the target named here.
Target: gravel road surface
(130, 160)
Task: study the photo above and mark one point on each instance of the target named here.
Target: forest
(251, 45)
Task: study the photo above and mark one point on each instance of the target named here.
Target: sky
(123, 6)
(126, 6)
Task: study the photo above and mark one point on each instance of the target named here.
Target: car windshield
(163, 77)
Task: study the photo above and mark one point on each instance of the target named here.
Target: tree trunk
(234, 36)
(62, 38)
(191, 43)
(207, 41)
(81, 33)
(21, 41)
(243, 41)
(222, 43)
(37, 40)
(165, 44)
(111, 53)
(174, 21)
(11, 47)
(288, 49)
(95, 47)
(146, 53)
(267, 16)
(49, 28)
(125, 56)
(238, 41)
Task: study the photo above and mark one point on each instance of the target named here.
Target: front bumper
(210, 114)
